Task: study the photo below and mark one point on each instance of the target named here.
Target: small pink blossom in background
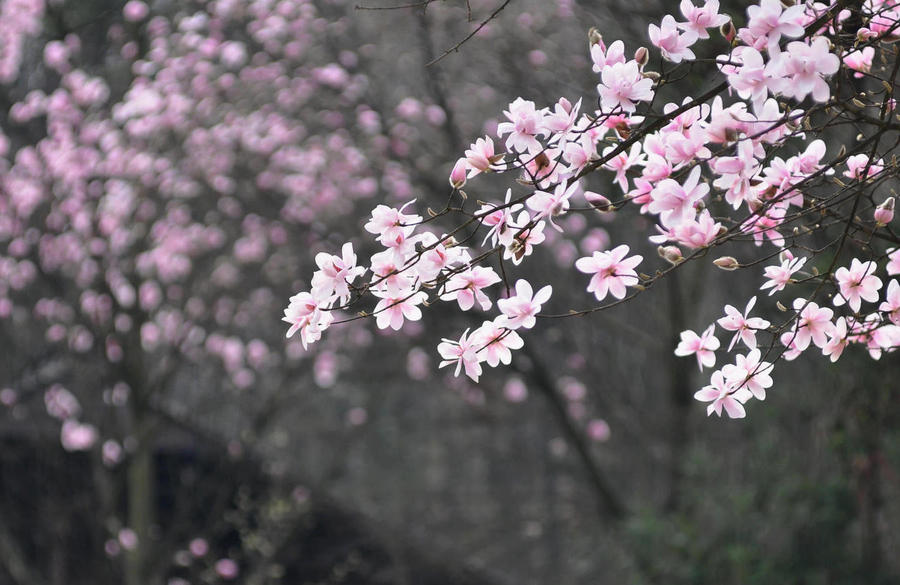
(722, 394)
(418, 366)
(60, 403)
(357, 416)
(780, 276)
(135, 10)
(744, 327)
(515, 390)
(520, 310)
(76, 436)
(857, 283)
(611, 271)
(8, 396)
(598, 430)
(704, 346)
(198, 547)
(128, 538)
(227, 569)
(112, 452)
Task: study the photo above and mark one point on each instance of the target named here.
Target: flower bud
(642, 56)
(671, 254)
(600, 203)
(727, 30)
(727, 263)
(884, 213)
(594, 37)
(458, 174)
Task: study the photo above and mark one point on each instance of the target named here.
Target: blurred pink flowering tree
(789, 157)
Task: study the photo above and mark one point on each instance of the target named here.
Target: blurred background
(168, 171)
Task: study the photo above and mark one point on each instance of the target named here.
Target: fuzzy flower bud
(884, 213)
(727, 263)
(671, 254)
(642, 56)
(600, 203)
(728, 31)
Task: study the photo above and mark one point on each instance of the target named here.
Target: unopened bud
(594, 37)
(654, 75)
(642, 56)
(671, 254)
(884, 213)
(780, 306)
(727, 30)
(458, 174)
(727, 263)
(600, 203)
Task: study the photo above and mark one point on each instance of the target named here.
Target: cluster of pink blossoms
(704, 150)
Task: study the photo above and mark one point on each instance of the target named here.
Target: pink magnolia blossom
(893, 265)
(745, 327)
(801, 69)
(524, 238)
(837, 340)
(891, 304)
(480, 156)
(525, 122)
(622, 85)
(780, 276)
(769, 21)
(465, 287)
(749, 79)
(704, 346)
(813, 324)
(497, 342)
(392, 311)
(463, 353)
(336, 273)
(603, 57)
(520, 309)
(859, 167)
(673, 45)
(611, 271)
(550, 205)
(857, 283)
(750, 372)
(884, 213)
(860, 60)
(723, 394)
(391, 226)
(458, 174)
(701, 18)
(674, 202)
(622, 162)
(304, 315)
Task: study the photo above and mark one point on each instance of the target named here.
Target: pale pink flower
(891, 304)
(813, 324)
(751, 373)
(496, 342)
(674, 202)
(520, 310)
(562, 119)
(704, 346)
(304, 315)
(465, 287)
(857, 283)
(480, 156)
(550, 205)
(701, 18)
(76, 436)
(336, 273)
(392, 311)
(837, 341)
(857, 167)
(525, 122)
(749, 79)
(524, 238)
(767, 22)
(745, 327)
(392, 226)
(674, 46)
(721, 393)
(463, 353)
(893, 265)
(780, 276)
(800, 70)
(387, 275)
(622, 85)
(622, 162)
(499, 220)
(860, 60)
(604, 57)
(611, 271)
